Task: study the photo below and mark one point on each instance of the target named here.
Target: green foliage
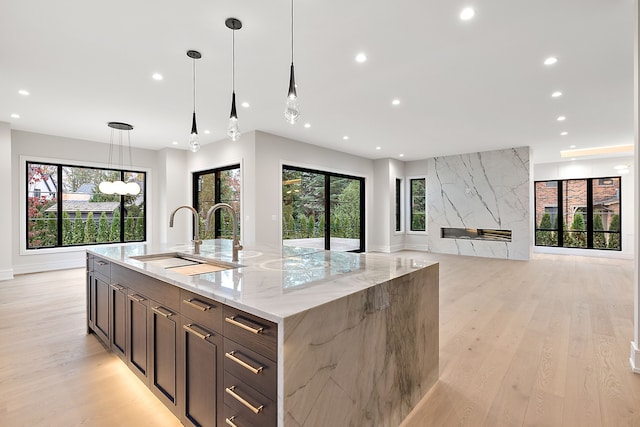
(614, 238)
(311, 226)
(129, 228)
(599, 239)
(78, 229)
(103, 229)
(114, 232)
(546, 238)
(302, 226)
(139, 231)
(578, 235)
(67, 229)
(90, 229)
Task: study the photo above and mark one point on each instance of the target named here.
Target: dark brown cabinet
(164, 325)
(118, 295)
(210, 364)
(138, 335)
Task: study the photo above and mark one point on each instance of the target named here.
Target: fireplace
(487, 234)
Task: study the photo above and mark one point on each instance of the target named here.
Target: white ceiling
(464, 86)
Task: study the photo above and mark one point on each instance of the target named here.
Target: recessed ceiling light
(23, 92)
(550, 60)
(573, 158)
(621, 171)
(15, 116)
(245, 104)
(556, 94)
(157, 76)
(401, 155)
(467, 13)
(564, 133)
(378, 148)
(175, 142)
(561, 118)
(395, 102)
(594, 151)
(361, 57)
(345, 137)
(572, 146)
(619, 167)
(307, 125)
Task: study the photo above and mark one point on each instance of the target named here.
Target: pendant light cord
(233, 60)
(292, 31)
(194, 85)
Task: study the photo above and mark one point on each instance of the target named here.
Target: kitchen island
(340, 338)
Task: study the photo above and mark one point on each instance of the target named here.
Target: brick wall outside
(605, 198)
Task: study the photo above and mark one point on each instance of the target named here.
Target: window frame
(25, 161)
(409, 204)
(587, 211)
(195, 177)
(399, 206)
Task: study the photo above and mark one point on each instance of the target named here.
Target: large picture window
(322, 210)
(65, 208)
(578, 213)
(221, 185)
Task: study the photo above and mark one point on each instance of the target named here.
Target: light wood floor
(543, 343)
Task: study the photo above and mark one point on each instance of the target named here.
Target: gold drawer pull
(117, 287)
(189, 328)
(136, 298)
(197, 304)
(101, 263)
(231, 355)
(162, 311)
(230, 422)
(231, 391)
(233, 321)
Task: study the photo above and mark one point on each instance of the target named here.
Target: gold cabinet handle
(230, 422)
(197, 304)
(231, 391)
(117, 287)
(136, 297)
(231, 355)
(162, 311)
(233, 321)
(101, 263)
(190, 328)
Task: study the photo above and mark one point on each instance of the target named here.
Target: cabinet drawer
(246, 405)
(251, 331)
(202, 310)
(102, 267)
(252, 368)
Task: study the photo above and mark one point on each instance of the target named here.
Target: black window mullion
(560, 216)
(590, 212)
(327, 212)
(362, 235)
(59, 205)
(217, 196)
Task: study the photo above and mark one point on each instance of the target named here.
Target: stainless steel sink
(187, 264)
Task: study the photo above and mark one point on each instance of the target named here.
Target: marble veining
(480, 190)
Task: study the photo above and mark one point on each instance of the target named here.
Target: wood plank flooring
(543, 343)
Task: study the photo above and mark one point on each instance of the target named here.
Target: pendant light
(292, 110)
(194, 143)
(233, 131)
(119, 187)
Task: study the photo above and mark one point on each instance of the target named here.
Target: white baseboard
(49, 266)
(634, 359)
(6, 274)
(424, 248)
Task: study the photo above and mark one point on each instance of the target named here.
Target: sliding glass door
(322, 210)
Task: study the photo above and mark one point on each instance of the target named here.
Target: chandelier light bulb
(194, 143)
(233, 130)
(132, 188)
(292, 110)
(106, 187)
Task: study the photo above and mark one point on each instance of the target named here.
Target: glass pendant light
(233, 131)
(119, 187)
(194, 143)
(292, 110)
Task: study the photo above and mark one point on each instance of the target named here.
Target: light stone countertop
(271, 282)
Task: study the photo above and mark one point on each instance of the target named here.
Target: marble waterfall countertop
(270, 282)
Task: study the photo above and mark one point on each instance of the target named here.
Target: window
(65, 207)
(213, 186)
(322, 210)
(398, 206)
(417, 199)
(579, 213)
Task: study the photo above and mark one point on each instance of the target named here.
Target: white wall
(6, 213)
(598, 168)
(34, 146)
(383, 237)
